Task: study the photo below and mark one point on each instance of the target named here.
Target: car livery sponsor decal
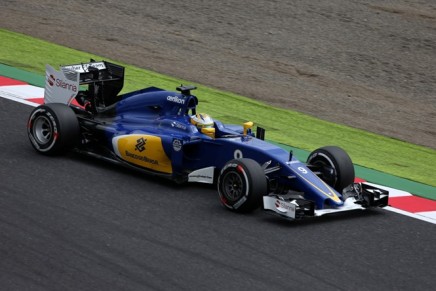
(60, 88)
(143, 150)
(82, 68)
(205, 175)
(284, 206)
(51, 80)
(64, 84)
(177, 145)
(178, 125)
(140, 146)
(176, 99)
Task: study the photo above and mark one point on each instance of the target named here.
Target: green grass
(373, 151)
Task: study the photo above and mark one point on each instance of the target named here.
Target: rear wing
(96, 72)
(104, 79)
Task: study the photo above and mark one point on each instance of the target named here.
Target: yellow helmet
(204, 124)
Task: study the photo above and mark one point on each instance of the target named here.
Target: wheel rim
(42, 130)
(232, 186)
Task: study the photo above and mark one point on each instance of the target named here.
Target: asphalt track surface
(73, 223)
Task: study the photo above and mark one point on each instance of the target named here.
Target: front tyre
(241, 185)
(53, 128)
(335, 166)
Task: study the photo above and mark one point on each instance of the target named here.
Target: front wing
(358, 196)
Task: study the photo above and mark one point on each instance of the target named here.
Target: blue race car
(160, 132)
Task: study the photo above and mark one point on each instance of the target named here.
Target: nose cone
(330, 193)
(315, 188)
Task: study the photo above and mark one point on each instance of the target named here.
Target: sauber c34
(152, 130)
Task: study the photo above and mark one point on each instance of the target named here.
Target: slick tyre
(53, 128)
(241, 185)
(335, 166)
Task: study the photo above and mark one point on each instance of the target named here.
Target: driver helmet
(204, 124)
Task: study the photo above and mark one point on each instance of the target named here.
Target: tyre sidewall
(341, 163)
(241, 172)
(254, 185)
(52, 144)
(65, 129)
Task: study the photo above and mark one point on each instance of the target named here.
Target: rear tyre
(241, 185)
(335, 166)
(53, 128)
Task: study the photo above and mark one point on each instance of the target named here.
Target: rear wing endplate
(63, 86)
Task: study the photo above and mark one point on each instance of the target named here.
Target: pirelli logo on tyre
(143, 150)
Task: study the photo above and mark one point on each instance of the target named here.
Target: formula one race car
(160, 132)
